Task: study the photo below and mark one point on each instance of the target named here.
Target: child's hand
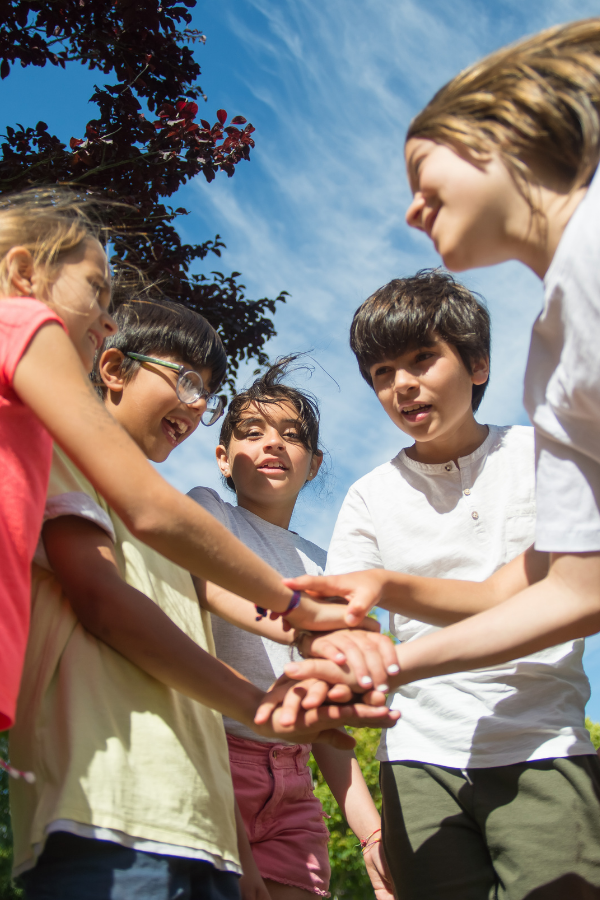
(371, 656)
(378, 872)
(280, 715)
(361, 591)
(326, 670)
(318, 615)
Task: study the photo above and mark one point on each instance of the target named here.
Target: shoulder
(514, 439)
(20, 319)
(213, 503)
(383, 474)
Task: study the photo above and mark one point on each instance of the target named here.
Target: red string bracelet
(364, 844)
(294, 602)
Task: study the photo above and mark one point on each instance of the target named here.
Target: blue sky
(319, 211)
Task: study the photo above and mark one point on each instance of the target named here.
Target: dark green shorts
(530, 830)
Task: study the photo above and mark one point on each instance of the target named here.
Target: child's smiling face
(472, 211)
(79, 291)
(266, 458)
(147, 405)
(427, 391)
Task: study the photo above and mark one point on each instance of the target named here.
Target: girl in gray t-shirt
(268, 451)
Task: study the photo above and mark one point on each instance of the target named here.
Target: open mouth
(417, 412)
(272, 467)
(175, 429)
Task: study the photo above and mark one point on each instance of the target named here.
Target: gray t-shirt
(258, 658)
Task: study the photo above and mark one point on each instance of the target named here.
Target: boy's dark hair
(269, 389)
(409, 312)
(160, 327)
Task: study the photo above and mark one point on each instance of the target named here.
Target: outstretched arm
(83, 559)
(438, 601)
(560, 607)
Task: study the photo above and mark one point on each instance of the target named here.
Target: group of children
(163, 715)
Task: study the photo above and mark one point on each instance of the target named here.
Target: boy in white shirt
(490, 783)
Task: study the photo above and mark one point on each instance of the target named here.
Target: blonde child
(503, 165)
(133, 794)
(268, 451)
(54, 315)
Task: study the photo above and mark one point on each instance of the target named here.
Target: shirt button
(467, 491)
(475, 515)
(448, 468)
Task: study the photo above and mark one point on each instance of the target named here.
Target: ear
(223, 461)
(315, 464)
(480, 370)
(19, 266)
(109, 369)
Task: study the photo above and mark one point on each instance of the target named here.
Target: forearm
(563, 606)
(237, 611)
(341, 771)
(445, 601)
(136, 627)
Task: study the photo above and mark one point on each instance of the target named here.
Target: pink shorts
(283, 818)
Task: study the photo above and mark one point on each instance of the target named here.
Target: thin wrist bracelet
(294, 602)
(366, 842)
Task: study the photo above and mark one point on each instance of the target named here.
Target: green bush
(8, 890)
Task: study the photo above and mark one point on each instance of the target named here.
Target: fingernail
(393, 669)
(384, 688)
(366, 680)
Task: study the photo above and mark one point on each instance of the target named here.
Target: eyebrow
(259, 420)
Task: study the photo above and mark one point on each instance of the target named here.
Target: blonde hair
(47, 222)
(537, 101)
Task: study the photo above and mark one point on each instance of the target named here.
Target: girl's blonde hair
(47, 222)
(534, 102)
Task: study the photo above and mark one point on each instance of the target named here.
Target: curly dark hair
(411, 312)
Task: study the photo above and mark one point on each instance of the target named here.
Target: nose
(272, 438)
(108, 324)
(199, 406)
(415, 210)
(404, 381)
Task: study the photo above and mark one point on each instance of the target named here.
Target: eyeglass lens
(190, 388)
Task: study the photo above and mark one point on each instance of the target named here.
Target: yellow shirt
(111, 746)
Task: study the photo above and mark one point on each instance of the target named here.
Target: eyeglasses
(189, 388)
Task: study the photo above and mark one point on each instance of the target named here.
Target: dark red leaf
(221, 116)
(4, 69)
(74, 143)
(239, 120)
(205, 124)
(249, 129)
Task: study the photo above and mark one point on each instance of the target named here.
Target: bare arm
(438, 601)
(562, 606)
(82, 557)
(237, 611)
(342, 773)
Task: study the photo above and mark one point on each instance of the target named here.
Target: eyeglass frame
(182, 370)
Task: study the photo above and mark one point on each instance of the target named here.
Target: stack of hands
(344, 673)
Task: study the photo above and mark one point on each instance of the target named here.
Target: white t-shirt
(562, 388)
(447, 522)
(261, 660)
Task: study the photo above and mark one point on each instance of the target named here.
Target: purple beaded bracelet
(294, 602)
